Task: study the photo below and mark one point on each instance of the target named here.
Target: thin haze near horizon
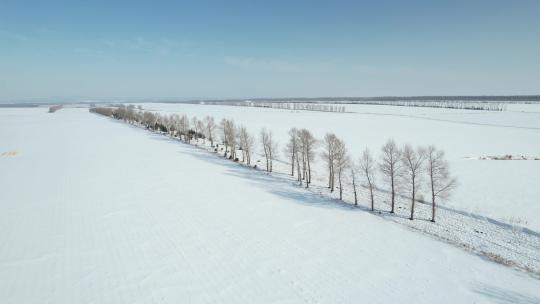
(230, 49)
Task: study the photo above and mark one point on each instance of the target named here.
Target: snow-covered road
(97, 211)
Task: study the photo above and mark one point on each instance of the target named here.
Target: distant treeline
(284, 105)
(337, 107)
(447, 104)
(464, 98)
(19, 105)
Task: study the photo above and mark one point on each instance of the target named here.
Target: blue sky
(224, 49)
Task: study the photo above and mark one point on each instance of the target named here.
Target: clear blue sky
(226, 49)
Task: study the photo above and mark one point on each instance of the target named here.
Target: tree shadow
(278, 184)
(504, 296)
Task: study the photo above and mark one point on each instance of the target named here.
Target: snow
(95, 210)
(504, 190)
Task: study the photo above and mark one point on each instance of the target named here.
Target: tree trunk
(393, 193)
(412, 199)
(299, 177)
(340, 187)
(270, 161)
(292, 164)
(354, 189)
(329, 173)
(432, 198)
(266, 158)
(309, 171)
(433, 210)
(333, 179)
(372, 200)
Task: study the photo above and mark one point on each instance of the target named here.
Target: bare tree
(341, 163)
(223, 126)
(164, 122)
(121, 112)
(173, 124)
(184, 127)
(139, 116)
(307, 149)
(246, 143)
(439, 176)
(291, 149)
(210, 128)
(146, 119)
(153, 121)
(353, 171)
(298, 168)
(194, 130)
(335, 156)
(200, 130)
(229, 137)
(149, 120)
(329, 155)
(178, 126)
(390, 167)
(413, 162)
(130, 113)
(242, 133)
(269, 147)
(368, 165)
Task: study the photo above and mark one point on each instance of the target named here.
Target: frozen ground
(97, 211)
(504, 190)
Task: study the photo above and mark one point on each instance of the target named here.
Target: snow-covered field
(93, 210)
(505, 190)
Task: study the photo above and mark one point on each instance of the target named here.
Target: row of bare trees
(448, 104)
(409, 166)
(300, 149)
(239, 139)
(234, 139)
(283, 105)
(403, 170)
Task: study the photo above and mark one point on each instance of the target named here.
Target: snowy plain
(97, 211)
(504, 190)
